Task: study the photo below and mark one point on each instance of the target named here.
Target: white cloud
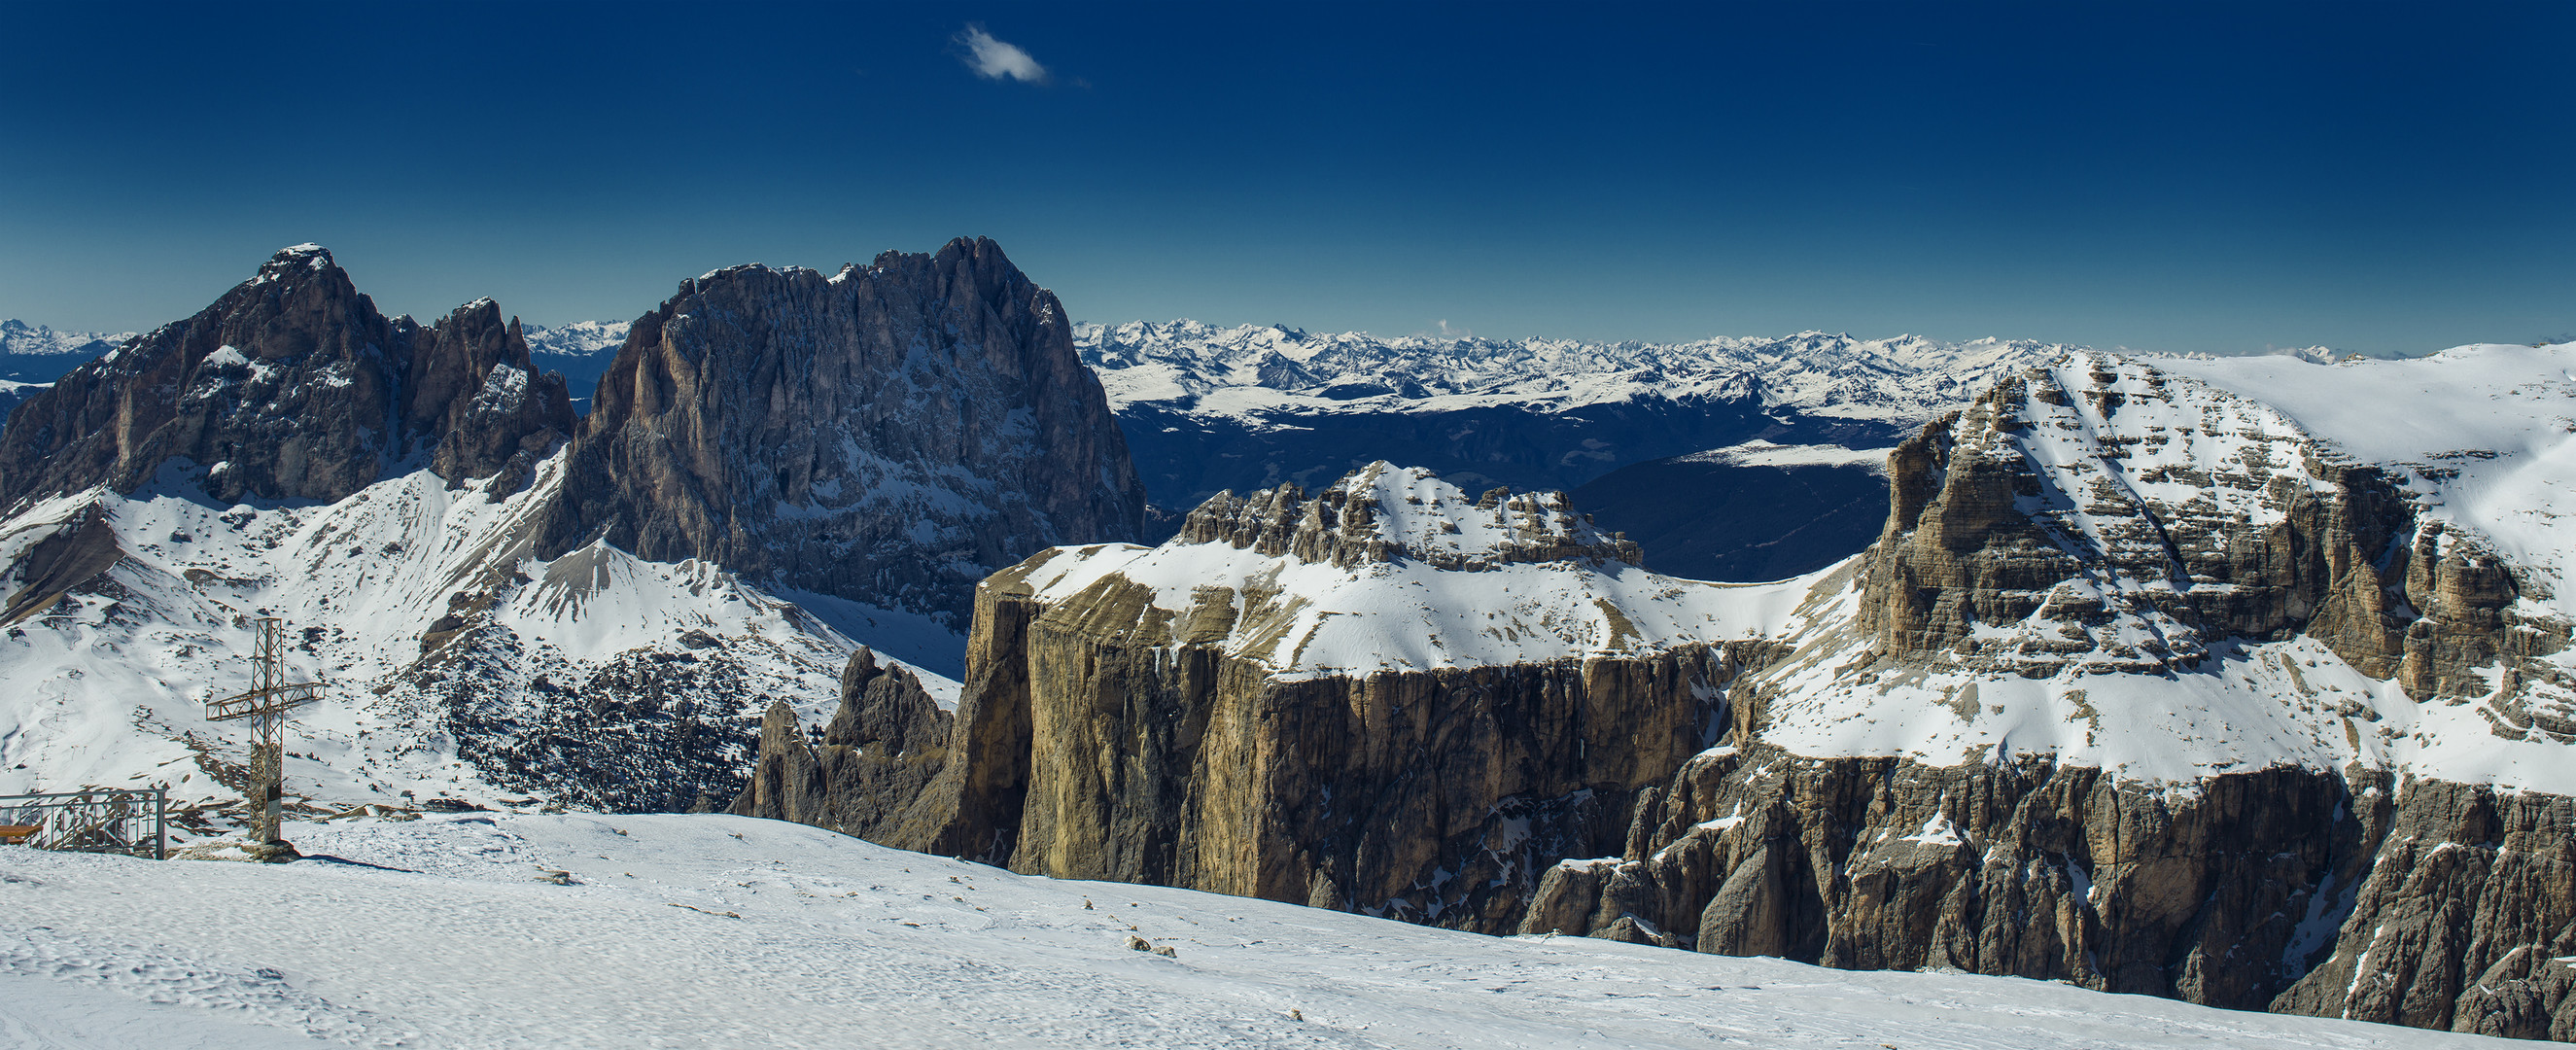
(994, 60)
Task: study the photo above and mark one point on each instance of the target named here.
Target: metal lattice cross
(266, 704)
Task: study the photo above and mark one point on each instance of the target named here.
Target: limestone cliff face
(290, 386)
(890, 433)
(2465, 920)
(2431, 904)
(2031, 869)
(1167, 716)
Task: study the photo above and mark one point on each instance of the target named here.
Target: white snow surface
(1308, 619)
(110, 691)
(725, 931)
(1266, 375)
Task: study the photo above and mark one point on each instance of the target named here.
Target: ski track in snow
(439, 933)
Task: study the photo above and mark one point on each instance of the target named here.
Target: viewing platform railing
(134, 822)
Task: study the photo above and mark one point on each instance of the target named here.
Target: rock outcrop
(891, 433)
(885, 744)
(291, 386)
(2030, 869)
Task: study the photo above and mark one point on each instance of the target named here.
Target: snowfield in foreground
(690, 931)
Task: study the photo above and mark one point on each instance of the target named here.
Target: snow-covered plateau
(497, 930)
(1421, 576)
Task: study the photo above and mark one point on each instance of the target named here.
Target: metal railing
(134, 822)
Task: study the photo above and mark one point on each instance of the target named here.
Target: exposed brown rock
(2464, 920)
(1089, 745)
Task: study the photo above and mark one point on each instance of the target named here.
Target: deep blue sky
(2385, 179)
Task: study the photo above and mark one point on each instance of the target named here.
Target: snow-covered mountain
(19, 338)
(2134, 530)
(2242, 681)
(1257, 374)
(578, 339)
(458, 665)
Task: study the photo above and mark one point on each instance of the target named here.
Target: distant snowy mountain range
(34, 353)
(1257, 374)
(1210, 408)
(580, 350)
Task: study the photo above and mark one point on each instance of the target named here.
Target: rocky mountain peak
(290, 386)
(1384, 513)
(890, 433)
(298, 259)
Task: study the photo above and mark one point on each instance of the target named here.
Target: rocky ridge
(291, 386)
